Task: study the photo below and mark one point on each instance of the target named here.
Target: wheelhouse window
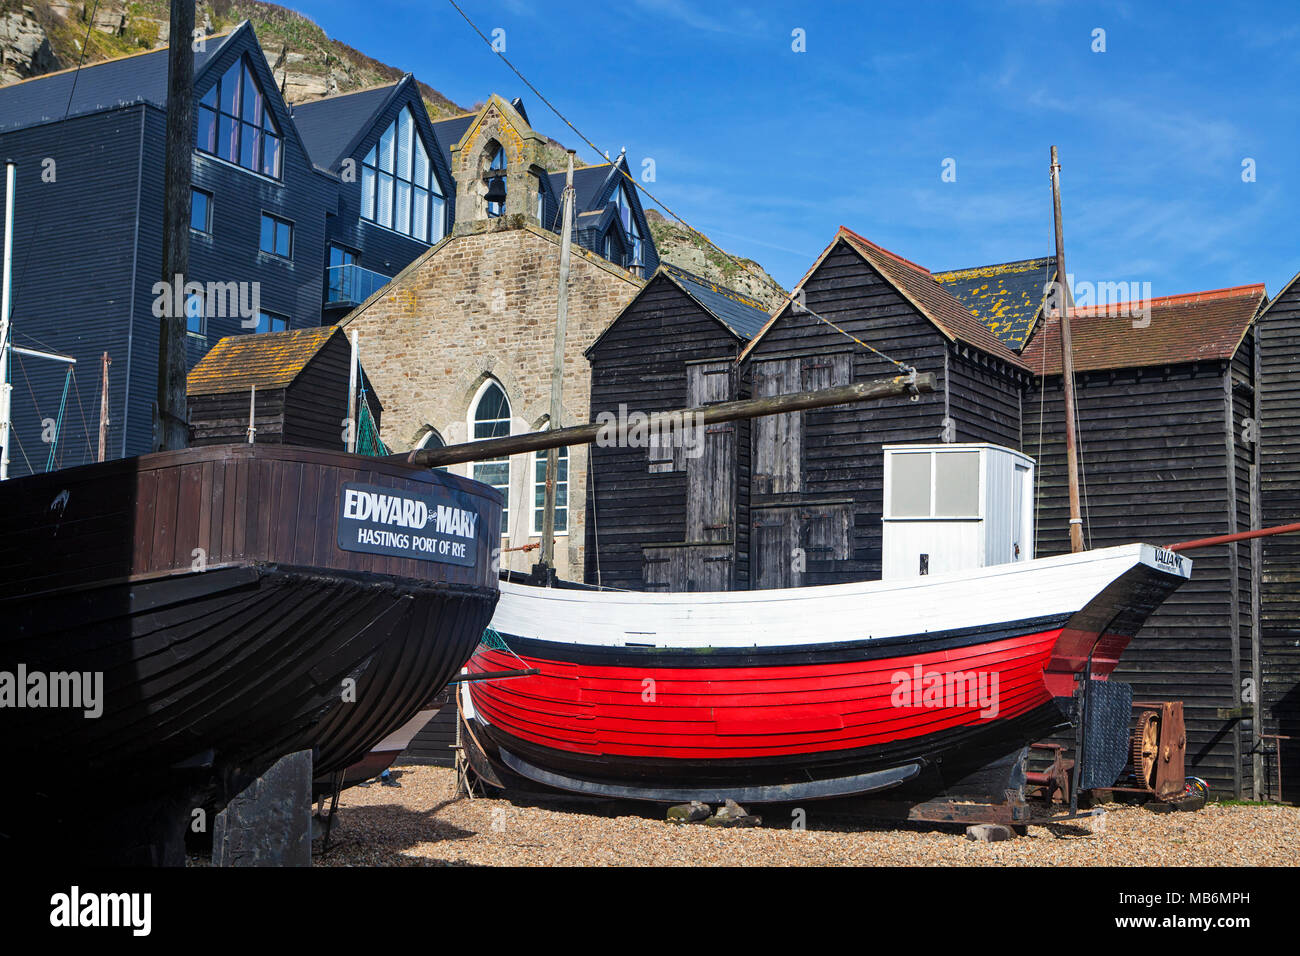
(277, 236)
(491, 419)
(200, 210)
(272, 322)
(237, 125)
(561, 492)
(398, 188)
(934, 484)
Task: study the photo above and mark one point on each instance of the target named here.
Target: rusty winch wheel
(1146, 748)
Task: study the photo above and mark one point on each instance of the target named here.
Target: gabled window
(236, 124)
(398, 188)
(490, 418)
(634, 261)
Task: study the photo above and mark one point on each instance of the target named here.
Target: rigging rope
(604, 154)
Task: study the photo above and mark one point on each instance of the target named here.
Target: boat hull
(208, 593)
(781, 719)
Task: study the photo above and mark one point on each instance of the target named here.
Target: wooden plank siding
(1279, 403)
(642, 362)
(841, 460)
(1155, 468)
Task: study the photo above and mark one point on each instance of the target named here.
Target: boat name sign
(437, 525)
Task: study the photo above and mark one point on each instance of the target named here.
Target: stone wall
(482, 304)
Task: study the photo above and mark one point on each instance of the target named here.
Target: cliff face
(40, 36)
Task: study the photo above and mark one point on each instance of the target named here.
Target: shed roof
(266, 360)
(741, 314)
(1193, 327)
(1006, 297)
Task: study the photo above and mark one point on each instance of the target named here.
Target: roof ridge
(1183, 298)
(113, 59)
(974, 271)
(845, 230)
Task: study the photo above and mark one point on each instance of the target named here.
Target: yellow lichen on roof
(267, 360)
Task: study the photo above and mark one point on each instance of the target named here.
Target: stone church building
(459, 344)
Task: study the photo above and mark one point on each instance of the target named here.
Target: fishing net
(368, 442)
(494, 640)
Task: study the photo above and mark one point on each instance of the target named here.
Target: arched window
(398, 188)
(490, 418)
(236, 124)
(431, 439)
(561, 492)
(498, 163)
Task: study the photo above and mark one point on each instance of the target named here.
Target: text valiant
(409, 513)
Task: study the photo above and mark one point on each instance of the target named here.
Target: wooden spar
(1067, 364)
(104, 362)
(171, 428)
(353, 411)
(1229, 538)
(252, 415)
(673, 422)
(557, 370)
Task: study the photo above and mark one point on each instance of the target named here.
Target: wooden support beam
(663, 422)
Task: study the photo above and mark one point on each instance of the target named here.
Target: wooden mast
(1062, 298)
(910, 384)
(104, 363)
(546, 566)
(171, 428)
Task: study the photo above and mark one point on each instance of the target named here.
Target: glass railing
(352, 284)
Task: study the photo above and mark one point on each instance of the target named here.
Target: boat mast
(546, 566)
(105, 362)
(171, 418)
(1062, 298)
(354, 361)
(6, 293)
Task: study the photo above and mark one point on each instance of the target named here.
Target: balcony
(350, 285)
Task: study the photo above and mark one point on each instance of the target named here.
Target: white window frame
(470, 420)
(535, 486)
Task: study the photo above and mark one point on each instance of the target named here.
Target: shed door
(711, 463)
(777, 444)
(773, 545)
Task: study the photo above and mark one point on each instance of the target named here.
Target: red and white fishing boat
(801, 693)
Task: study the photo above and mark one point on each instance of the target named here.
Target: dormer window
(237, 125)
(635, 260)
(398, 188)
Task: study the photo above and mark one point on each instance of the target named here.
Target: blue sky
(768, 150)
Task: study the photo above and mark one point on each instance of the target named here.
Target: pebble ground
(424, 823)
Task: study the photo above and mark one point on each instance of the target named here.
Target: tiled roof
(1194, 327)
(931, 299)
(1005, 297)
(588, 183)
(137, 78)
(330, 126)
(267, 360)
(742, 315)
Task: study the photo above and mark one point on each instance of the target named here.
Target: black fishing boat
(177, 622)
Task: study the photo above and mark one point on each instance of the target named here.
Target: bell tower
(496, 165)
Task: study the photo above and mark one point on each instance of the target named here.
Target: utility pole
(352, 393)
(171, 416)
(547, 564)
(1067, 365)
(6, 300)
(104, 362)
